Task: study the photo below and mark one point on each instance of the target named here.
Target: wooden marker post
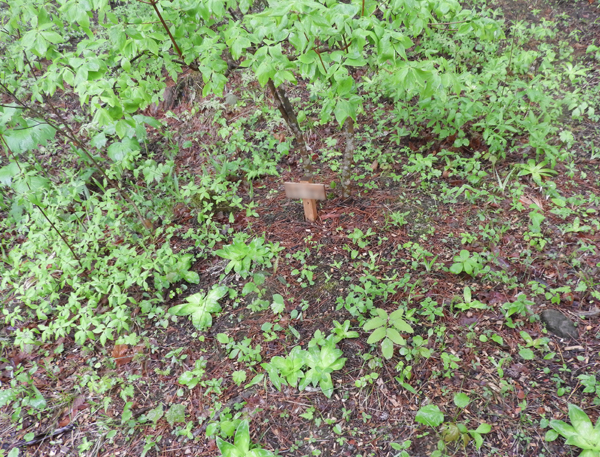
(309, 193)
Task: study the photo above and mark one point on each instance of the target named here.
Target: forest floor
(515, 383)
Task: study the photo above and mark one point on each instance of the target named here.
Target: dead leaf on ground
(119, 354)
(528, 200)
(78, 404)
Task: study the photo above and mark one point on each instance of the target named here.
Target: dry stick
(287, 112)
(67, 132)
(348, 154)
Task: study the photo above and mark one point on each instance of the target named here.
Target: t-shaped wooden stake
(309, 193)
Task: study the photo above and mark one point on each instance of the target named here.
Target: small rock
(559, 324)
(231, 99)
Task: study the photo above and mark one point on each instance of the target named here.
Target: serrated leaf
(8, 172)
(155, 414)
(238, 376)
(175, 414)
(278, 305)
(6, 396)
(25, 139)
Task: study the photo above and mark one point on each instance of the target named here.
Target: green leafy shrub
(321, 362)
(386, 329)
(471, 264)
(242, 255)
(241, 444)
(201, 306)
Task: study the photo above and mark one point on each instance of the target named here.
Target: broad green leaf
(377, 335)
(38, 402)
(478, 440)
(456, 268)
(374, 323)
(185, 309)
(227, 449)
(484, 428)
(580, 420)
(387, 348)
(242, 437)
(393, 335)
(326, 385)
(52, 37)
(121, 150)
(186, 378)
(273, 373)
(192, 277)
(467, 294)
(402, 326)
(8, 172)
(527, 354)
(21, 140)
(217, 293)
(563, 428)
(468, 268)
(461, 400)
(202, 319)
(430, 415)
(345, 109)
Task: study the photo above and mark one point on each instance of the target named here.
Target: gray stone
(559, 324)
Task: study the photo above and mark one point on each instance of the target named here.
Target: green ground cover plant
(159, 295)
